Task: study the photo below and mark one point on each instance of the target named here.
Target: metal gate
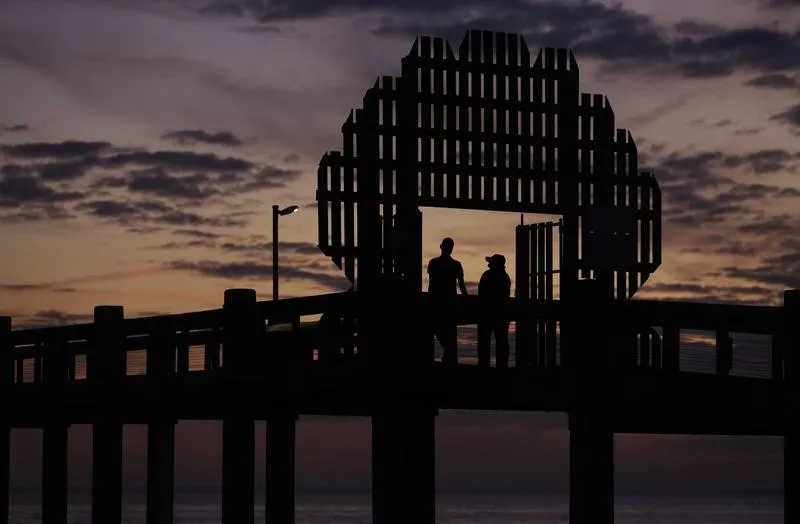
(538, 262)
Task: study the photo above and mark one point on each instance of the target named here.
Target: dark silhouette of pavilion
(490, 129)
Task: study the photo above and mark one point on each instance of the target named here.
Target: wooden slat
(550, 121)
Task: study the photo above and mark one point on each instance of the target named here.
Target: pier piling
(161, 431)
(591, 435)
(106, 363)
(280, 474)
(403, 421)
(55, 438)
(241, 336)
(791, 453)
(6, 379)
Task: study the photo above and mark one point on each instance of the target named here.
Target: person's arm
(482, 285)
(461, 280)
(508, 285)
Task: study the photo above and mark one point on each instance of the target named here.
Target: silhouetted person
(445, 275)
(494, 291)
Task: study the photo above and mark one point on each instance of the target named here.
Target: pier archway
(487, 129)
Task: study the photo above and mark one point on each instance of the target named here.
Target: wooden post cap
(239, 296)
(791, 298)
(108, 313)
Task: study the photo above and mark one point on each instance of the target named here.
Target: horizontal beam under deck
(643, 402)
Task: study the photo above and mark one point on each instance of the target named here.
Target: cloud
(621, 38)
(96, 176)
(126, 212)
(774, 81)
(253, 270)
(184, 245)
(753, 48)
(781, 4)
(67, 170)
(22, 189)
(700, 187)
(211, 175)
(160, 183)
(194, 136)
(13, 128)
(180, 161)
(53, 317)
(779, 224)
(769, 274)
(184, 218)
(701, 168)
(789, 117)
(197, 233)
(66, 285)
(777, 262)
(66, 149)
(711, 294)
(723, 245)
(223, 8)
(300, 248)
(696, 28)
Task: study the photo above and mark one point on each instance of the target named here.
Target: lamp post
(277, 212)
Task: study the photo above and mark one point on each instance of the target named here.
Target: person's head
(447, 246)
(496, 261)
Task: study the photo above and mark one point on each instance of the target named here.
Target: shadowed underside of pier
(642, 403)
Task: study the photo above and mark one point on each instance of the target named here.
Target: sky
(143, 143)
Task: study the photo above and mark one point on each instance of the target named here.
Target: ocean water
(459, 509)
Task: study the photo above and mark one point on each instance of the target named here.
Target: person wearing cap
(494, 291)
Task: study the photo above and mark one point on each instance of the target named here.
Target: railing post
(403, 413)
(6, 379)
(777, 355)
(791, 457)
(55, 436)
(724, 352)
(671, 345)
(106, 365)
(161, 429)
(591, 433)
(241, 334)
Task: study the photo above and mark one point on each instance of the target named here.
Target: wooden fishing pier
(484, 129)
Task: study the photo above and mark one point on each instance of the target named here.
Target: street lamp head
(288, 210)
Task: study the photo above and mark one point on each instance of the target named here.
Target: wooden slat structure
(487, 129)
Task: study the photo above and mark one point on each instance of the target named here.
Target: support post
(6, 380)
(791, 458)
(403, 417)
(106, 368)
(280, 481)
(242, 330)
(55, 437)
(161, 430)
(281, 425)
(591, 434)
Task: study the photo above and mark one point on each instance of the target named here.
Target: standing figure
(446, 275)
(494, 291)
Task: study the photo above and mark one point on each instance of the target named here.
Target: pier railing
(655, 335)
